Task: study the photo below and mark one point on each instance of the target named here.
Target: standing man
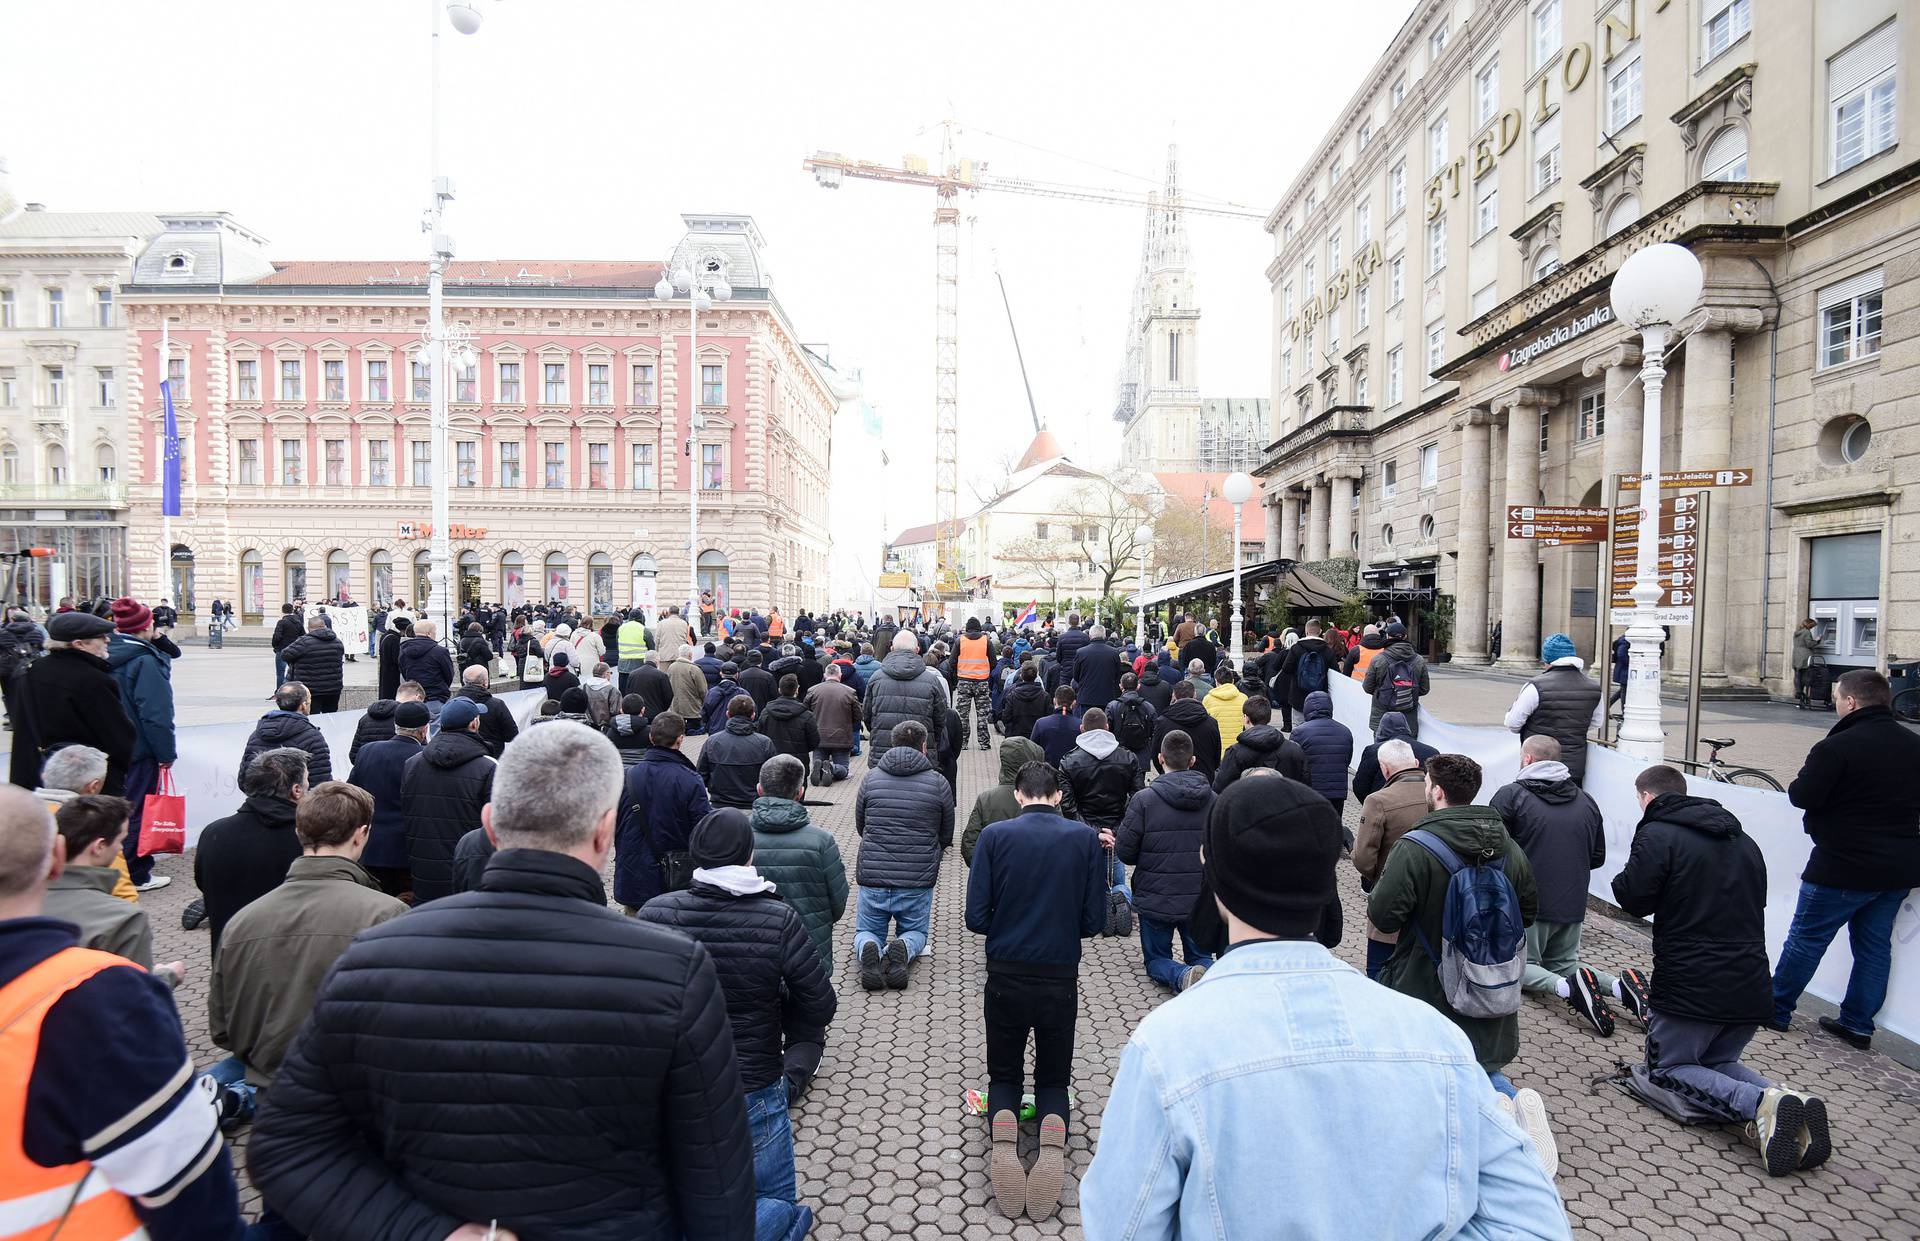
(1563, 703)
(372, 1124)
(973, 668)
(689, 688)
(904, 815)
(1397, 680)
(442, 792)
(317, 660)
(1857, 790)
(285, 630)
(1067, 646)
(631, 644)
(1806, 644)
(1096, 669)
(1160, 837)
(399, 629)
(145, 675)
(662, 798)
(1328, 746)
(1037, 888)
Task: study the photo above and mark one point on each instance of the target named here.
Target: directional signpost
(1556, 525)
(1685, 480)
(1680, 525)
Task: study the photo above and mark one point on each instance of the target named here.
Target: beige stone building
(1444, 347)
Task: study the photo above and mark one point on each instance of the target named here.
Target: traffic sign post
(1556, 526)
(1683, 547)
(1681, 480)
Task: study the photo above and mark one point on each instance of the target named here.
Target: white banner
(207, 771)
(1768, 817)
(349, 625)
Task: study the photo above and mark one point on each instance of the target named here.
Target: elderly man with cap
(142, 665)
(1563, 703)
(72, 698)
(380, 770)
(442, 789)
(1278, 1027)
(774, 980)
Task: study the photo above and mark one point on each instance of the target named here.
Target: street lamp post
(1143, 536)
(1652, 290)
(1237, 490)
(700, 295)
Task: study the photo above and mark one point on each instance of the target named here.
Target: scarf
(739, 880)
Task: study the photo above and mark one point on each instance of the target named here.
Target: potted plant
(1440, 630)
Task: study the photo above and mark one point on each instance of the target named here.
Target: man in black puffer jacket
(421, 658)
(1160, 837)
(904, 689)
(774, 982)
(316, 659)
(1328, 745)
(376, 724)
(1187, 715)
(904, 815)
(788, 724)
(441, 795)
(1025, 704)
(730, 759)
(1260, 745)
(497, 725)
(431, 1091)
(757, 681)
(1101, 772)
(287, 725)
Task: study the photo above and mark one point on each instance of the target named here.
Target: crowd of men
(439, 1025)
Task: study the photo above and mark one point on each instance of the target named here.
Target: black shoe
(870, 968)
(897, 965)
(1778, 1027)
(194, 916)
(1636, 994)
(1816, 1143)
(1583, 997)
(1849, 1037)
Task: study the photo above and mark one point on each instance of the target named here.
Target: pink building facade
(301, 397)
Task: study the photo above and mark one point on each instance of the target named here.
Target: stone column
(1290, 524)
(1317, 522)
(1270, 508)
(1496, 506)
(1470, 609)
(1706, 443)
(1340, 518)
(1621, 365)
(1520, 562)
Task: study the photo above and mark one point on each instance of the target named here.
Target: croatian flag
(169, 457)
(1031, 616)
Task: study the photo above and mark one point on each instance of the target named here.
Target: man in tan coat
(689, 686)
(1388, 814)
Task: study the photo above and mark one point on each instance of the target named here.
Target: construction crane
(947, 180)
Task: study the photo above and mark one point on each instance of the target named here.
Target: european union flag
(169, 457)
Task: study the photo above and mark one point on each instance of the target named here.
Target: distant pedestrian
(1397, 680)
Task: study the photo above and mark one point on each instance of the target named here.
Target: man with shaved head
(121, 1116)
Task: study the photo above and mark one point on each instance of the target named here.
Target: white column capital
(1626, 353)
(1535, 398)
(1479, 416)
(1735, 319)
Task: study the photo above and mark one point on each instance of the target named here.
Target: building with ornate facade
(301, 391)
(1444, 346)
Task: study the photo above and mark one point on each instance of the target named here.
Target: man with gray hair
(435, 1031)
(245, 856)
(1387, 814)
(689, 687)
(905, 688)
(288, 724)
(70, 772)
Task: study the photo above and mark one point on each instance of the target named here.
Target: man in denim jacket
(1279, 1028)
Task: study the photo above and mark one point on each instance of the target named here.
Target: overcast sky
(583, 128)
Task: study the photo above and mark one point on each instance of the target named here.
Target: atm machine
(1849, 632)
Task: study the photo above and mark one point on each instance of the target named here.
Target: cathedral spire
(1169, 222)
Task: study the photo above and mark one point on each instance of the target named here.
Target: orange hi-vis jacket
(975, 664)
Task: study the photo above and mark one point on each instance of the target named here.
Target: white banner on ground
(207, 771)
(1768, 817)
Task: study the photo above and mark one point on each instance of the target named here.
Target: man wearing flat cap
(73, 699)
(379, 771)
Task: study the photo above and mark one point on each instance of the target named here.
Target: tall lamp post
(1143, 537)
(466, 19)
(700, 295)
(1652, 290)
(1237, 490)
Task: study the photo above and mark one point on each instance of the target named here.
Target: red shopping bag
(163, 819)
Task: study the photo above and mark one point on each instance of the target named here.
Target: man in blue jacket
(379, 770)
(145, 674)
(662, 799)
(1037, 888)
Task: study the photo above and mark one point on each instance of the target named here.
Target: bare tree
(1179, 543)
(1049, 560)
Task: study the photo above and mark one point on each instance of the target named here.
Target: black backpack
(1399, 689)
(1310, 671)
(1133, 723)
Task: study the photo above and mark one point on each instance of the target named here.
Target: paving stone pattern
(886, 1148)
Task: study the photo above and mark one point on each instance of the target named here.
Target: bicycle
(1904, 676)
(1714, 769)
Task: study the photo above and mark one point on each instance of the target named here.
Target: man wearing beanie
(1037, 888)
(774, 980)
(1396, 680)
(441, 792)
(1563, 703)
(142, 665)
(379, 771)
(1279, 1028)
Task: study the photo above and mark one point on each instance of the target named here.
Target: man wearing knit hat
(441, 792)
(1278, 1027)
(142, 664)
(1563, 702)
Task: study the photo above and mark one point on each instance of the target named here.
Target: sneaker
(1635, 994)
(1775, 1129)
(1530, 1113)
(1003, 1166)
(1851, 1038)
(1193, 974)
(870, 968)
(1583, 997)
(153, 884)
(1816, 1141)
(194, 916)
(1049, 1169)
(232, 1106)
(897, 965)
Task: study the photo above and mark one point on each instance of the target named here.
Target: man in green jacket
(998, 802)
(803, 863)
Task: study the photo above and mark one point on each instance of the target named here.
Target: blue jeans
(1377, 956)
(231, 1073)
(1501, 1083)
(775, 1214)
(856, 739)
(1868, 917)
(910, 909)
(1156, 945)
(1117, 878)
(279, 671)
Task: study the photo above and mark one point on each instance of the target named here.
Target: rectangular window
(56, 382)
(336, 462)
(1333, 251)
(1362, 225)
(103, 308)
(1436, 244)
(6, 308)
(1437, 41)
(290, 379)
(1396, 279)
(1333, 333)
(246, 380)
(1286, 300)
(333, 378)
(292, 462)
(248, 462)
(56, 307)
(380, 463)
(1173, 357)
(1313, 200)
(1623, 93)
(1286, 371)
(713, 385)
(1306, 278)
(466, 464)
(1850, 319)
(1486, 93)
(1429, 466)
(509, 393)
(1546, 153)
(1436, 147)
(553, 383)
(1393, 376)
(1366, 133)
(644, 392)
(177, 377)
(643, 468)
(1483, 299)
(422, 451)
(1389, 479)
(1723, 23)
(103, 390)
(1546, 31)
(466, 384)
(1546, 425)
(1593, 415)
(510, 463)
(712, 472)
(1436, 347)
(599, 466)
(420, 381)
(599, 383)
(9, 387)
(377, 390)
(1333, 173)
(1399, 92)
(1860, 85)
(1486, 212)
(1397, 188)
(1362, 308)
(553, 466)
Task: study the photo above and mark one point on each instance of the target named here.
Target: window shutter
(1847, 290)
(1729, 145)
(1861, 63)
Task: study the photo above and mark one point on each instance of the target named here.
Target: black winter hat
(1271, 848)
(723, 838)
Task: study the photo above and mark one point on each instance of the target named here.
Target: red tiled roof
(1190, 487)
(1043, 448)
(924, 534)
(543, 272)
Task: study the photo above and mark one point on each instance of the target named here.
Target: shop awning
(1304, 590)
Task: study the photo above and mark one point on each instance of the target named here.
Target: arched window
(1625, 210)
(556, 581)
(56, 464)
(600, 584)
(339, 577)
(296, 575)
(105, 462)
(1546, 262)
(1386, 536)
(713, 575)
(1725, 158)
(423, 601)
(253, 587)
(380, 573)
(513, 580)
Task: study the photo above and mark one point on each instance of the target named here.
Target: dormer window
(179, 263)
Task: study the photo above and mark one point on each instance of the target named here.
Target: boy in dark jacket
(1186, 714)
(1260, 744)
(1024, 704)
(1704, 883)
(773, 980)
(904, 815)
(1328, 745)
(1037, 888)
(730, 759)
(1160, 837)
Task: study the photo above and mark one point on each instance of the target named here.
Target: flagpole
(166, 521)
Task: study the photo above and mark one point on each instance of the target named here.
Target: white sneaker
(153, 883)
(1530, 1111)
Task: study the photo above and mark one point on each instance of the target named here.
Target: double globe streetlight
(701, 292)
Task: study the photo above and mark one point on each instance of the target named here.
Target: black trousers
(1017, 1004)
(326, 704)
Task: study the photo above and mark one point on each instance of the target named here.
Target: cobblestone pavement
(886, 1149)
